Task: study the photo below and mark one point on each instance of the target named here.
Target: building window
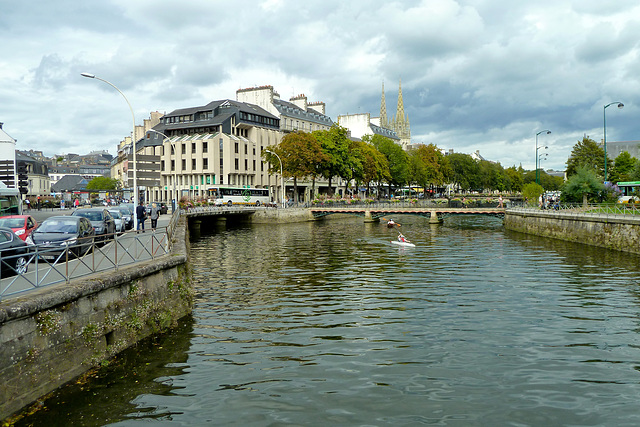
(237, 148)
(204, 147)
(184, 148)
(246, 164)
(205, 163)
(193, 147)
(237, 164)
(184, 164)
(193, 164)
(173, 165)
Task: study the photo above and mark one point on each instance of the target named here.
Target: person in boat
(402, 239)
(391, 223)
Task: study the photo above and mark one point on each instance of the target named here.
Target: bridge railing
(601, 210)
(406, 204)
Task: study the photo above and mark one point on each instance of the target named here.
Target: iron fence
(47, 267)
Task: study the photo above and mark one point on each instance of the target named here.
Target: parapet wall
(621, 233)
(51, 336)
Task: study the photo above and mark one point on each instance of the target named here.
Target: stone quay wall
(53, 335)
(617, 232)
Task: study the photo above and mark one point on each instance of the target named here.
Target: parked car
(14, 253)
(57, 233)
(118, 218)
(127, 216)
(22, 225)
(101, 220)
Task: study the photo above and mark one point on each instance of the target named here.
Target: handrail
(48, 268)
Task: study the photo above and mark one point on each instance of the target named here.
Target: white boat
(399, 243)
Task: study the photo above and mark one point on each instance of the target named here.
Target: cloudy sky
(481, 75)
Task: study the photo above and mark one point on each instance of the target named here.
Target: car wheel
(229, 203)
(257, 203)
(21, 265)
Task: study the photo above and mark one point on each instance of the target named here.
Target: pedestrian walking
(155, 213)
(500, 205)
(141, 213)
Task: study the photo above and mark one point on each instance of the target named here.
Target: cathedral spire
(383, 110)
(400, 113)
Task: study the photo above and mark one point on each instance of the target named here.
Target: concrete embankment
(617, 232)
(269, 216)
(51, 336)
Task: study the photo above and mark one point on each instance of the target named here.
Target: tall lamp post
(175, 177)
(133, 144)
(604, 114)
(545, 147)
(281, 176)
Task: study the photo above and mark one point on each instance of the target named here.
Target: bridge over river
(434, 213)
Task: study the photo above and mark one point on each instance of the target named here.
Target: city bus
(239, 196)
(630, 191)
(10, 201)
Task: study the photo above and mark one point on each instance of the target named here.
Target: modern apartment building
(220, 143)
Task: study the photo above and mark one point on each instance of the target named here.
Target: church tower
(400, 122)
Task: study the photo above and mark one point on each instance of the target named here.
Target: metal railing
(48, 266)
(597, 210)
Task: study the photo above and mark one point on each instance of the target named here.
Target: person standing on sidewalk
(155, 213)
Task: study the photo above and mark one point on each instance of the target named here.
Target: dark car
(101, 220)
(14, 253)
(57, 233)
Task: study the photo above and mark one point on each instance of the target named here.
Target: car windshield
(90, 215)
(58, 226)
(115, 214)
(12, 222)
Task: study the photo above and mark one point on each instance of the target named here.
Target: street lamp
(604, 113)
(133, 145)
(281, 176)
(545, 147)
(175, 177)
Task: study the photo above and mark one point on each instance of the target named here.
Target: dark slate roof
(220, 118)
(378, 130)
(292, 110)
(70, 183)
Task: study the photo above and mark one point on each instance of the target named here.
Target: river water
(329, 324)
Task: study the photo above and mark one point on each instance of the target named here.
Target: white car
(120, 222)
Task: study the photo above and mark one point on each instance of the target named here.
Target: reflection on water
(329, 324)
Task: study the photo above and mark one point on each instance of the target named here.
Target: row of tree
(586, 173)
(376, 159)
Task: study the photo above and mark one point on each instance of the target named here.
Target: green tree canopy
(301, 155)
(531, 192)
(102, 183)
(428, 165)
(335, 145)
(589, 154)
(515, 177)
(464, 171)
(582, 185)
(396, 157)
(623, 167)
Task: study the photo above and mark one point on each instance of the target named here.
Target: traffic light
(23, 182)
